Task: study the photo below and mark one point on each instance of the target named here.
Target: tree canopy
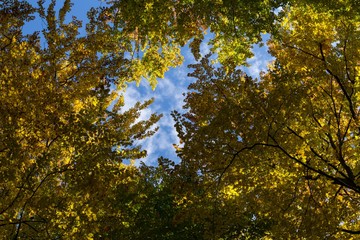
(273, 157)
(285, 143)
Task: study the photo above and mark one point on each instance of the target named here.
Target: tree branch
(350, 231)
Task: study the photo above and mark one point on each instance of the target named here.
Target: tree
(160, 207)
(63, 134)
(164, 26)
(284, 145)
(172, 202)
(268, 158)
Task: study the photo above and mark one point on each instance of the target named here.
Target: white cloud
(257, 65)
(169, 96)
(161, 143)
(204, 48)
(259, 62)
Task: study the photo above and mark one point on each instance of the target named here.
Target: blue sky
(169, 91)
(169, 96)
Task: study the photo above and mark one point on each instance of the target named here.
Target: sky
(169, 96)
(169, 93)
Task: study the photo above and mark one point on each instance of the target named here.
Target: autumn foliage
(273, 157)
